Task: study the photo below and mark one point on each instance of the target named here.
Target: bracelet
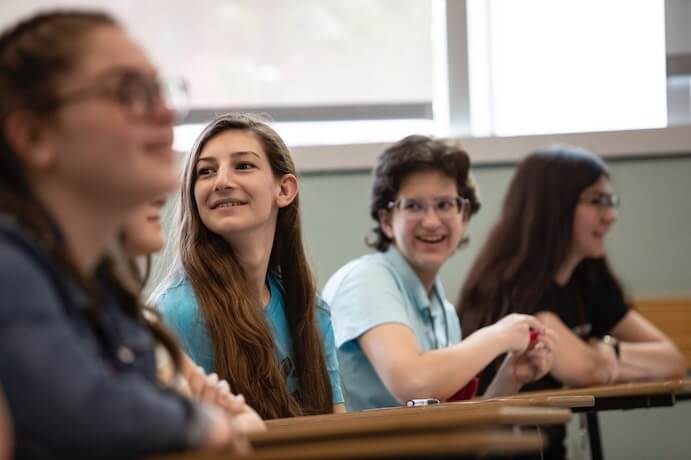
(614, 343)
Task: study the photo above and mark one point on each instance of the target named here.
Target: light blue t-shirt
(377, 289)
(180, 311)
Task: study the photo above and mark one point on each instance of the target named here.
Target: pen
(422, 402)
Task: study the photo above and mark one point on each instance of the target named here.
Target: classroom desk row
(496, 426)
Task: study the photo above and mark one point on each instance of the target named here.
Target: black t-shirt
(589, 305)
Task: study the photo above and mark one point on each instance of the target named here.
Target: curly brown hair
(414, 154)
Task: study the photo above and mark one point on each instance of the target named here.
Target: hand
(610, 364)
(537, 361)
(514, 330)
(224, 431)
(211, 390)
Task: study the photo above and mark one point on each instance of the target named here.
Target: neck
(566, 269)
(427, 279)
(87, 226)
(253, 250)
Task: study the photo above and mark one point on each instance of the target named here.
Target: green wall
(650, 246)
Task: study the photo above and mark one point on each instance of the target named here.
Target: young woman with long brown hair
(85, 138)
(242, 297)
(546, 256)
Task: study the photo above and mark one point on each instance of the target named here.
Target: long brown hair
(34, 55)
(532, 237)
(243, 346)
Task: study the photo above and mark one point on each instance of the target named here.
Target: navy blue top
(73, 393)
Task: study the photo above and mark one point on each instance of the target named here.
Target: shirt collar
(411, 282)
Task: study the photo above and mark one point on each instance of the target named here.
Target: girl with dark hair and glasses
(398, 337)
(85, 139)
(546, 256)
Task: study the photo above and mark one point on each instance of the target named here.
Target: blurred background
(344, 78)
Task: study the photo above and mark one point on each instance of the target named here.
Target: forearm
(441, 373)
(650, 360)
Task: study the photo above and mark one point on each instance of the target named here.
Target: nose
(430, 219)
(162, 111)
(224, 178)
(610, 216)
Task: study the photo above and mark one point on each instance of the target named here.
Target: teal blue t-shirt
(180, 311)
(378, 289)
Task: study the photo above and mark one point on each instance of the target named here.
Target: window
(546, 66)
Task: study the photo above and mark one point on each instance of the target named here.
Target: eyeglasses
(137, 94)
(444, 208)
(602, 201)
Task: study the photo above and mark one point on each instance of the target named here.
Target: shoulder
(20, 266)
(371, 269)
(178, 302)
(25, 281)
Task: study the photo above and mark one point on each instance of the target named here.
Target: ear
(28, 138)
(288, 190)
(384, 216)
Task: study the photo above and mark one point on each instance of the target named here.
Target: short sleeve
(330, 354)
(608, 306)
(180, 312)
(362, 296)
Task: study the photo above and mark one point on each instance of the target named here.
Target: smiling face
(235, 189)
(98, 148)
(592, 221)
(426, 240)
(143, 232)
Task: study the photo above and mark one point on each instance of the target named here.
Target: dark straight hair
(532, 237)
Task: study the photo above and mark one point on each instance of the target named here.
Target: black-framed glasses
(444, 207)
(138, 94)
(602, 200)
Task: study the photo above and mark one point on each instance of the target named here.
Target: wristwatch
(614, 343)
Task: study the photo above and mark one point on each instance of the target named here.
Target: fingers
(196, 378)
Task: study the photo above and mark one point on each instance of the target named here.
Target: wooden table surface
(677, 386)
(446, 444)
(549, 401)
(409, 420)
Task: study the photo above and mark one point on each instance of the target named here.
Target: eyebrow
(232, 155)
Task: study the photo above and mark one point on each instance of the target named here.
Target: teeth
(229, 204)
(431, 240)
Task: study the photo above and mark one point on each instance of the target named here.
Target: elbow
(584, 375)
(409, 386)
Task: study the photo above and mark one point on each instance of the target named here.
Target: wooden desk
(619, 397)
(447, 444)
(548, 401)
(407, 420)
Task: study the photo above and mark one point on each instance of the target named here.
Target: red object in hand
(467, 392)
(534, 335)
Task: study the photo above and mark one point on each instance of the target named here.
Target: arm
(409, 373)
(577, 363)
(645, 352)
(518, 369)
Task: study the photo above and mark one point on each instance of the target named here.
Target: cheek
(402, 230)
